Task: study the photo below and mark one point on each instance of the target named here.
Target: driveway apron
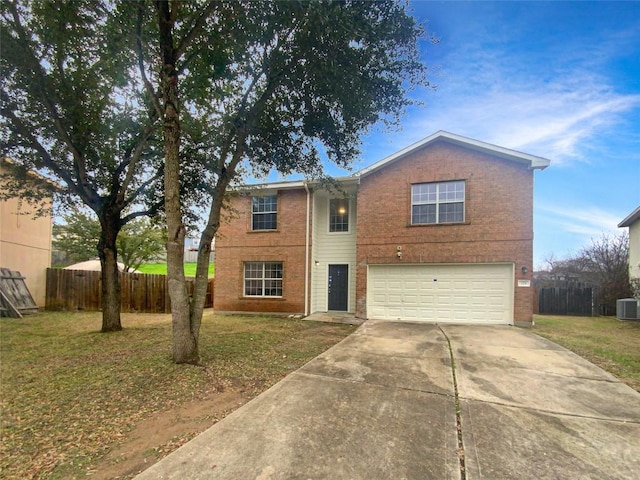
(531, 409)
(387, 403)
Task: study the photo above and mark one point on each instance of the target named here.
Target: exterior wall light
(524, 270)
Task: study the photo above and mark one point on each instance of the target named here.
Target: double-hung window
(264, 213)
(263, 279)
(439, 202)
(339, 215)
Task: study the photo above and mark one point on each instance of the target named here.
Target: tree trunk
(111, 290)
(185, 337)
(204, 250)
(202, 279)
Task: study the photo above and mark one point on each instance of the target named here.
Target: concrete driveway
(382, 405)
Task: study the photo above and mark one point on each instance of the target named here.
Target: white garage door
(466, 293)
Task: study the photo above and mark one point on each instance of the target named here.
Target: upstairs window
(339, 215)
(440, 202)
(263, 279)
(264, 214)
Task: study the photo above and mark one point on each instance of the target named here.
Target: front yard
(78, 403)
(161, 269)
(611, 344)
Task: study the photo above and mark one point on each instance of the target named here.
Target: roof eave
(630, 219)
(534, 162)
(292, 185)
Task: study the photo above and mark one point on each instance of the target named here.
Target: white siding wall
(330, 249)
(634, 250)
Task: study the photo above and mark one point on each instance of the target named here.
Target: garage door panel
(411, 313)
(478, 300)
(469, 293)
(428, 314)
(394, 284)
(494, 300)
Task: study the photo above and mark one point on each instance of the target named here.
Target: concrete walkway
(382, 405)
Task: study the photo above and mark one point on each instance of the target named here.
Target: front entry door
(338, 287)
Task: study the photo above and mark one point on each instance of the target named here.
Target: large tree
(269, 85)
(73, 109)
(232, 84)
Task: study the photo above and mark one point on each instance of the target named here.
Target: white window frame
(263, 279)
(254, 213)
(438, 201)
(339, 232)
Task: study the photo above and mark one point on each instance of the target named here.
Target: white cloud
(580, 219)
(555, 101)
(545, 120)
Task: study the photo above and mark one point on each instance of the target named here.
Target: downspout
(306, 253)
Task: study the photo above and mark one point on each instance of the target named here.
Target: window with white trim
(263, 279)
(438, 202)
(339, 215)
(264, 213)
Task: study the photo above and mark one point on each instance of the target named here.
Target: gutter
(306, 253)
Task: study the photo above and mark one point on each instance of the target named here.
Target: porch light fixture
(524, 270)
(317, 263)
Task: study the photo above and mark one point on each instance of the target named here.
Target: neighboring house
(633, 222)
(191, 246)
(441, 231)
(25, 241)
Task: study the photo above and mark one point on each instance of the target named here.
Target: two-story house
(441, 231)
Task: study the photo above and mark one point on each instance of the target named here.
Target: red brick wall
(236, 243)
(498, 216)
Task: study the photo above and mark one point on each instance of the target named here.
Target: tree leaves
(138, 241)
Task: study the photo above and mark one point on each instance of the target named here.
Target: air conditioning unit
(627, 309)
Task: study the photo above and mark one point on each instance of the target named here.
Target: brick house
(440, 231)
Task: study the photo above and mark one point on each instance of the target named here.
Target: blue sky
(556, 79)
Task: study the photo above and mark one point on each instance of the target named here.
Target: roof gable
(532, 161)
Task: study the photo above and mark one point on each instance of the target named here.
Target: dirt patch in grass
(163, 432)
(80, 404)
(605, 341)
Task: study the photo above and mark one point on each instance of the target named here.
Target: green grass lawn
(161, 269)
(69, 394)
(611, 344)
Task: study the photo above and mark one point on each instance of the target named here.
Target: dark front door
(338, 287)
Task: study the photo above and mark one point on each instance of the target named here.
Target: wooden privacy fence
(81, 290)
(567, 301)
